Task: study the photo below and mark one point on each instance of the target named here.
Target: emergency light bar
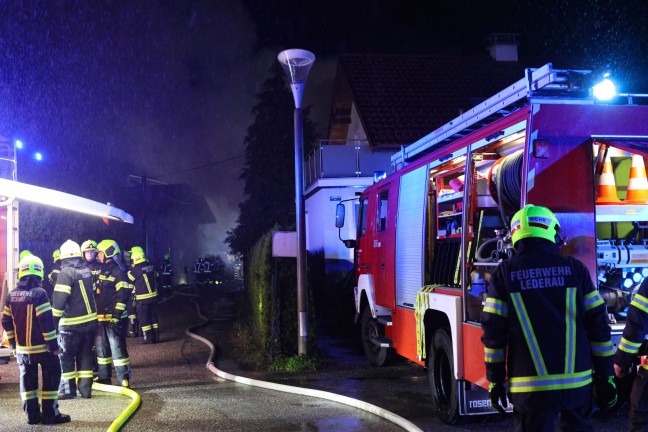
(40, 195)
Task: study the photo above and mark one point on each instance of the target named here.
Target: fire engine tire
(445, 401)
(370, 331)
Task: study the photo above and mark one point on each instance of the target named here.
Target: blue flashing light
(605, 90)
(38, 156)
(636, 277)
(644, 272)
(19, 144)
(627, 283)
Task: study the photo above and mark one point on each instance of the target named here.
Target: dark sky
(168, 85)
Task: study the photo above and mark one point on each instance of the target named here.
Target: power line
(199, 167)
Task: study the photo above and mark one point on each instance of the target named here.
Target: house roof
(401, 98)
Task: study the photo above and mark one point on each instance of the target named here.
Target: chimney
(503, 47)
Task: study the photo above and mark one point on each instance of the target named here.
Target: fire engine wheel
(371, 331)
(443, 383)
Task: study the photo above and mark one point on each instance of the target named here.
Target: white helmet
(70, 249)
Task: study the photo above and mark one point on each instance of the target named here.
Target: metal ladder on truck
(542, 82)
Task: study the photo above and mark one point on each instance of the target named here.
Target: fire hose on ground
(128, 412)
(365, 406)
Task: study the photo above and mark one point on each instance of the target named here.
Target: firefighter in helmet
(56, 268)
(75, 312)
(112, 295)
(166, 272)
(142, 274)
(28, 321)
(197, 270)
(545, 328)
(634, 336)
(89, 252)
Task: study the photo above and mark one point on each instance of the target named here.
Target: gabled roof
(401, 98)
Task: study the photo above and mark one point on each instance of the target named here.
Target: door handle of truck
(382, 266)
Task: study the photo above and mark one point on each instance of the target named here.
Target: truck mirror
(339, 215)
(350, 243)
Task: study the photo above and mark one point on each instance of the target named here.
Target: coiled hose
(387, 415)
(506, 183)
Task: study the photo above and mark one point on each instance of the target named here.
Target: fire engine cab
(430, 234)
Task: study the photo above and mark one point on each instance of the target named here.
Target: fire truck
(430, 234)
(11, 193)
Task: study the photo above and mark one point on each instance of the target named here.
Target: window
(382, 211)
(362, 225)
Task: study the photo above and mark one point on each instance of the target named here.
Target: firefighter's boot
(148, 336)
(133, 327)
(156, 335)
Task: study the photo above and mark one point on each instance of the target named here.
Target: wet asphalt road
(180, 394)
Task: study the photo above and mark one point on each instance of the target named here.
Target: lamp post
(296, 63)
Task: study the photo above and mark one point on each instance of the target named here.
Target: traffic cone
(606, 192)
(637, 184)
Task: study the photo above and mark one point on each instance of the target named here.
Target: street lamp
(297, 63)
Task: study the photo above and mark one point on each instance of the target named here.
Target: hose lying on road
(387, 415)
(128, 412)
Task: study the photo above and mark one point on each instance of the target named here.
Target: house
(380, 103)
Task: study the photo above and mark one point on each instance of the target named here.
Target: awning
(40, 195)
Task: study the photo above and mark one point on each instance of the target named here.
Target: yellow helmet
(89, 245)
(56, 255)
(109, 248)
(30, 265)
(534, 221)
(25, 253)
(137, 255)
(70, 249)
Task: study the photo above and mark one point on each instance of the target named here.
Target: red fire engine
(430, 234)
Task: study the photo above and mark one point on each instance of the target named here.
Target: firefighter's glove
(497, 395)
(115, 326)
(605, 392)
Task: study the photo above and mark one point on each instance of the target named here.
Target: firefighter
(28, 321)
(197, 269)
(634, 335)
(89, 251)
(112, 295)
(207, 270)
(166, 270)
(142, 274)
(52, 275)
(545, 324)
(219, 270)
(75, 312)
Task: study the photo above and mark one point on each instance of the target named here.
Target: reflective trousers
(638, 417)
(76, 362)
(111, 348)
(51, 370)
(575, 420)
(147, 316)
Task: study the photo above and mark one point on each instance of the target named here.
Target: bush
(295, 363)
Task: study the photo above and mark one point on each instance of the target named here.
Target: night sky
(167, 86)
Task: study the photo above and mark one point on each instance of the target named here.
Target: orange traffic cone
(606, 192)
(638, 184)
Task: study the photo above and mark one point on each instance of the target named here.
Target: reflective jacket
(74, 298)
(166, 268)
(143, 275)
(27, 319)
(544, 316)
(53, 275)
(635, 330)
(113, 292)
(95, 269)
